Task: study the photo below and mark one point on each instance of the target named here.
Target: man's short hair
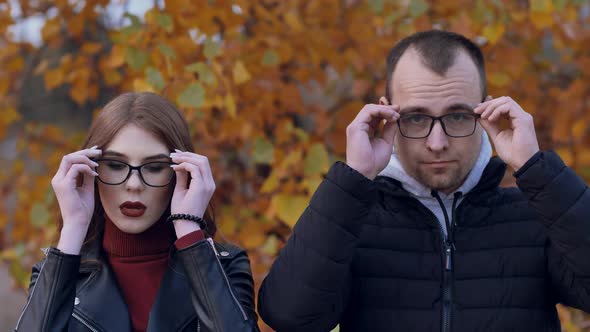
(438, 50)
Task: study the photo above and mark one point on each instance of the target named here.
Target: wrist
(72, 238)
(183, 227)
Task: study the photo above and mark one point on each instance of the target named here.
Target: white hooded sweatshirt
(424, 194)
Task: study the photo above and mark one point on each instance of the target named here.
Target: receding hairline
(457, 53)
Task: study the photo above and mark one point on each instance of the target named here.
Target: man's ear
(383, 101)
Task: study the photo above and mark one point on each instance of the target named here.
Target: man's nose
(437, 140)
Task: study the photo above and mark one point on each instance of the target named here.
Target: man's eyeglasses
(416, 125)
(153, 174)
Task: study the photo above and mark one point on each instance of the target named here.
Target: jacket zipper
(229, 286)
(449, 246)
(46, 251)
(85, 323)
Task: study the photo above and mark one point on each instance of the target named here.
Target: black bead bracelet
(190, 217)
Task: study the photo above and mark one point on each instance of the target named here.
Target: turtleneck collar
(155, 240)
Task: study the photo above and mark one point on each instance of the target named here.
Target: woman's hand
(76, 203)
(190, 197)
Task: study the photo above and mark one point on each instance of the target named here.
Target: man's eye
(458, 117)
(416, 119)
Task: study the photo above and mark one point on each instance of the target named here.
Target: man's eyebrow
(413, 109)
(119, 154)
(460, 107)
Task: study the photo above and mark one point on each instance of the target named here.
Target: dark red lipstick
(132, 209)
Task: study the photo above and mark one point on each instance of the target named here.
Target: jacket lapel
(172, 310)
(99, 301)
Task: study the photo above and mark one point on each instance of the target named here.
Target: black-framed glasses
(415, 125)
(154, 174)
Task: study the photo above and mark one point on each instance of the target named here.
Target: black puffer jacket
(369, 256)
(200, 291)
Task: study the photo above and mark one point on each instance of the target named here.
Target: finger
(79, 157)
(200, 161)
(493, 129)
(379, 112)
(499, 111)
(491, 106)
(181, 179)
(389, 131)
(76, 170)
(192, 169)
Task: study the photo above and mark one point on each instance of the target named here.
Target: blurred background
(268, 88)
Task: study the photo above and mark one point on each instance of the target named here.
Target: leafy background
(268, 88)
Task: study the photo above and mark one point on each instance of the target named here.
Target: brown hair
(152, 113)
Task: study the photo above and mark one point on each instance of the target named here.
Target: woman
(135, 252)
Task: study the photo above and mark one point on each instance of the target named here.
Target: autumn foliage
(268, 88)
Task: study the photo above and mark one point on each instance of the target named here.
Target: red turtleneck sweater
(139, 262)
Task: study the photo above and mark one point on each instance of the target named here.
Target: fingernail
(177, 150)
(95, 174)
(94, 147)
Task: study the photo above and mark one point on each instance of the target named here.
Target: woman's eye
(115, 166)
(154, 168)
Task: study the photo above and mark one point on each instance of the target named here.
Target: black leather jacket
(202, 290)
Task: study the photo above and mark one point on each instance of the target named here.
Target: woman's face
(132, 205)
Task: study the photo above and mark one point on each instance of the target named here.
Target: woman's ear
(383, 101)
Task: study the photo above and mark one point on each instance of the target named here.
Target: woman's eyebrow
(119, 154)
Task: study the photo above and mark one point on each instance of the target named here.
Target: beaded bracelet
(202, 223)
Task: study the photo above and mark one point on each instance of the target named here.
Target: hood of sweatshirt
(424, 194)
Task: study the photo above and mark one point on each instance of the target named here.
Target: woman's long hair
(152, 113)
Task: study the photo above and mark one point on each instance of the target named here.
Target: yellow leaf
(566, 155)
(141, 85)
(252, 234)
(289, 207)
(79, 92)
(498, 79)
(230, 105)
(91, 48)
(493, 32)
(541, 20)
(579, 129)
(270, 184)
(53, 78)
(293, 21)
(240, 73)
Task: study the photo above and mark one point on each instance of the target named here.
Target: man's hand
(517, 144)
(369, 148)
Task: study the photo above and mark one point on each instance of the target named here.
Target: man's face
(438, 161)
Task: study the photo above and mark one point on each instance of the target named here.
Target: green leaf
(212, 49)
(135, 20)
(418, 7)
(377, 6)
(316, 161)
(206, 75)
(154, 78)
(390, 19)
(167, 51)
(165, 21)
(263, 151)
(192, 96)
(135, 58)
(270, 58)
(40, 215)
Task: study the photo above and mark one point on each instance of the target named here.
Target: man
(433, 243)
